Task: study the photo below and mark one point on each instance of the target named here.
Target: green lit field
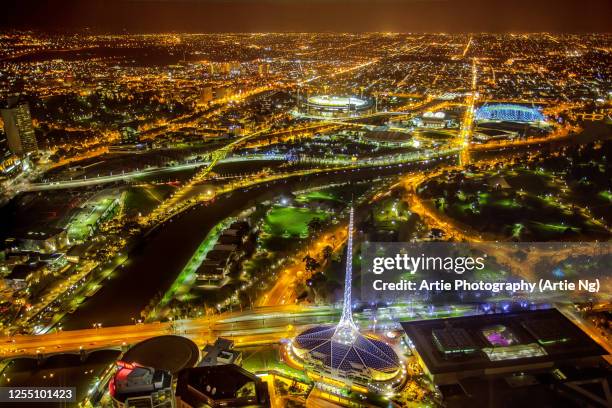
(606, 195)
(389, 212)
(319, 195)
(519, 203)
(89, 216)
(289, 222)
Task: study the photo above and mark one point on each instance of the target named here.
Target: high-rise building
(226, 68)
(263, 69)
(18, 127)
(9, 162)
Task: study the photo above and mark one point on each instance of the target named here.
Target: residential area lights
(233, 178)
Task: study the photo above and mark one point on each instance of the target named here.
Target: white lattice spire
(346, 331)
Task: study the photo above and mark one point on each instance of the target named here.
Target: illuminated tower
(18, 127)
(346, 331)
(341, 352)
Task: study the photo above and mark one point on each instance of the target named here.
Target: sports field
(291, 221)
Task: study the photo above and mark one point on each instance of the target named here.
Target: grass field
(389, 212)
(537, 205)
(291, 221)
(319, 195)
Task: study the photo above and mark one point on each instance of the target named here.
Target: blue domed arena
(509, 113)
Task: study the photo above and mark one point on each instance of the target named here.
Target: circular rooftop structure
(335, 105)
(365, 356)
(509, 112)
(337, 101)
(168, 353)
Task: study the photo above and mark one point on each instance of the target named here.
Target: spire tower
(346, 331)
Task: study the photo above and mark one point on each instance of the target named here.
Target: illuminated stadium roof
(337, 101)
(376, 358)
(341, 349)
(509, 112)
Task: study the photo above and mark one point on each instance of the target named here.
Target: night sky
(310, 15)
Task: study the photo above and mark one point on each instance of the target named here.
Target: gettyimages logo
(422, 263)
(471, 272)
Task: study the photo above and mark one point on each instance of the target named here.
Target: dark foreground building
(220, 386)
(144, 387)
(537, 357)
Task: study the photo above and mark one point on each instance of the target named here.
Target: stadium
(332, 106)
(340, 352)
(509, 113)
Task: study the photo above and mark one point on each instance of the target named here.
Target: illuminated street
(404, 208)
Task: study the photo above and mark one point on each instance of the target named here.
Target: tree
(328, 251)
(311, 264)
(315, 225)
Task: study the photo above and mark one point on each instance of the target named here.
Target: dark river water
(156, 261)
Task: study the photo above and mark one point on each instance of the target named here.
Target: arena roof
(366, 352)
(169, 353)
(509, 112)
(336, 101)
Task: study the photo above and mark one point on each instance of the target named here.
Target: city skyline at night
(293, 203)
(405, 16)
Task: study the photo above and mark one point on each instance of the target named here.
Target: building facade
(10, 164)
(19, 128)
(137, 386)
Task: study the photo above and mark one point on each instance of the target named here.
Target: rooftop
(168, 353)
(331, 100)
(132, 380)
(197, 386)
(221, 352)
(499, 340)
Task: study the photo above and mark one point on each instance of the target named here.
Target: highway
(200, 330)
(182, 200)
(110, 178)
(263, 325)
